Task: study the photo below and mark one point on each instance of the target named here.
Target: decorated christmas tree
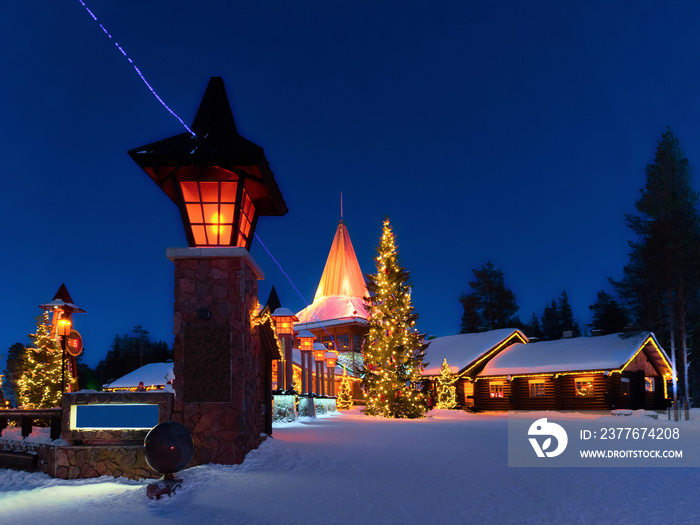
(394, 349)
(40, 383)
(447, 392)
(344, 401)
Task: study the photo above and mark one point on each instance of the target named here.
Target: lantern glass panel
(247, 211)
(194, 212)
(200, 237)
(228, 192)
(225, 235)
(227, 212)
(210, 191)
(190, 191)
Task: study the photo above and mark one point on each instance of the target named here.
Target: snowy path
(450, 468)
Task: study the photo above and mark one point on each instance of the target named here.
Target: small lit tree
(39, 386)
(446, 391)
(393, 351)
(344, 401)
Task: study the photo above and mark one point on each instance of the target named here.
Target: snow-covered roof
(463, 349)
(337, 307)
(283, 312)
(608, 352)
(156, 374)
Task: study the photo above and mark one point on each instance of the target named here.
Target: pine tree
(609, 316)
(491, 304)
(13, 371)
(39, 386)
(661, 281)
(566, 316)
(446, 391)
(394, 350)
(551, 326)
(533, 329)
(344, 400)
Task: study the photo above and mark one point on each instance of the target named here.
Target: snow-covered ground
(448, 468)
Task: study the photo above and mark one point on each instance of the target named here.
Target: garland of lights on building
(394, 350)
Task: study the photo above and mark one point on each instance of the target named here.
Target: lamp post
(63, 308)
(221, 183)
(284, 324)
(331, 360)
(320, 358)
(306, 346)
(63, 330)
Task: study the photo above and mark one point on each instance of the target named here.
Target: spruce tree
(393, 353)
(491, 304)
(39, 386)
(551, 326)
(446, 391)
(609, 316)
(344, 400)
(566, 316)
(660, 283)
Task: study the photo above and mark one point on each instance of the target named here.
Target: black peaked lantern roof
(215, 149)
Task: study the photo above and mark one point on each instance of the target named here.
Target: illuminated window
(625, 386)
(537, 388)
(584, 386)
(496, 388)
(342, 341)
(649, 384)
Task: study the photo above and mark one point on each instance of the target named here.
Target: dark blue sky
(511, 131)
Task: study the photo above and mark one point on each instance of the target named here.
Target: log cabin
(583, 373)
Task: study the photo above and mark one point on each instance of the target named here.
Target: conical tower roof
(342, 274)
(342, 287)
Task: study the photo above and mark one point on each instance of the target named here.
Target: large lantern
(220, 181)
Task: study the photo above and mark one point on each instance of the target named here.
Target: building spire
(342, 274)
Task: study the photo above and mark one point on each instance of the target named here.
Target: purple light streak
(138, 71)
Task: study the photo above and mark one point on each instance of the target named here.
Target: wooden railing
(27, 418)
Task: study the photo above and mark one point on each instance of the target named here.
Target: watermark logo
(542, 428)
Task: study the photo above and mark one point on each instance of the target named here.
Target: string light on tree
(447, 392)
(394, 349)
(40, 383)
(344, 401)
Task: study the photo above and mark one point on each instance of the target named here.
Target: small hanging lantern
(284, 321)
(306, 340)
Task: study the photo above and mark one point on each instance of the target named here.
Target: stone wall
(216, 352)
(77, 462)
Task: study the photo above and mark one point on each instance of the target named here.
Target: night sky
(516, 132)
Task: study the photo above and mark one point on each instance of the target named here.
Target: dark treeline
(127, 353)
(660, 286)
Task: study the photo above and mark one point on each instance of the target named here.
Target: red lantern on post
(220, 181)
(331, 360)
(320, 358)
(306, 346)
(284, 324)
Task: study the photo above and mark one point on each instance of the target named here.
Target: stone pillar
(304, 390)
(331, 381)
(309, 372)
(280, 374)
(216, 352)
(287, 342)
